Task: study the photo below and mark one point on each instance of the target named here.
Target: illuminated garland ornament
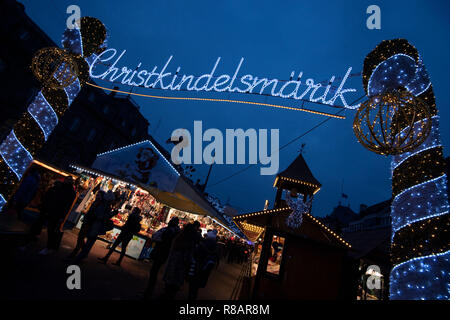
(62, 72)
(420, 209)
(386, 123)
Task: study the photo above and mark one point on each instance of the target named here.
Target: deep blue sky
(320, 38)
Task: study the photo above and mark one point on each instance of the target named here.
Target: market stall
(140, 176)
(47, 176)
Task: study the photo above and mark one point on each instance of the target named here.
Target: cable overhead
(283, 146)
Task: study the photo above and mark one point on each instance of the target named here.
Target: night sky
(320, 38)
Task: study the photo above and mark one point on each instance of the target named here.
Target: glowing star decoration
(298, 207)
(106, 66)
(386, 123)
(60, 71)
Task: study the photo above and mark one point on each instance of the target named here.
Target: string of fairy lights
(219, 100)
(420, 209)
(244, 217)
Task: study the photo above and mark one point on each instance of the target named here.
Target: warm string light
(288, 209)
(418, 168)
(423, 201)
(421, 238)
(300, 181)
(220, 100)
(248, 228)
(432, 141)
(382, 52)
(379, 123)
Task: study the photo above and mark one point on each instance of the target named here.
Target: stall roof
(130, 166)
(251, 223)
(297, 173)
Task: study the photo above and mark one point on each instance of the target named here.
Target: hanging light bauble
(392, 123)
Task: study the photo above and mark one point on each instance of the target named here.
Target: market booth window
(276, 255)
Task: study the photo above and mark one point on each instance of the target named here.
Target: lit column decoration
(420, 209)
(61, 72)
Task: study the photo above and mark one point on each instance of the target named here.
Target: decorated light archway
(399, 119)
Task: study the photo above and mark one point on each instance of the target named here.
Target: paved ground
(31, 276)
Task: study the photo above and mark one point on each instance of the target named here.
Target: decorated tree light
(420, 209)
(61, 72)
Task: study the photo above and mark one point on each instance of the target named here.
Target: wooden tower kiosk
(305, 262)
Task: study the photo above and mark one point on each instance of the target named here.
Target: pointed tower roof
(299, 176)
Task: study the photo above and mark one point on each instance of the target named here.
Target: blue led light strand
(15, 155)
(426, 200)
(43, 114)
(2, 201)
(422, 278)
(432, 141)
(138, 143)
(400, 70)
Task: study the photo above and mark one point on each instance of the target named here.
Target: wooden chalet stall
(307, 262)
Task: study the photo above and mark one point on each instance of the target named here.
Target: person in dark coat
(197, 227)
(102, 214)
(179, 261)
(131, 227)
(204, 259)
(56, 204)
(88, 219)
(26, 192)
(160, 252)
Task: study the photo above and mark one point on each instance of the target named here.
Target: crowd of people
(186, 254)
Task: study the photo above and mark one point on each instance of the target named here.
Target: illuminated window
(276, 254)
